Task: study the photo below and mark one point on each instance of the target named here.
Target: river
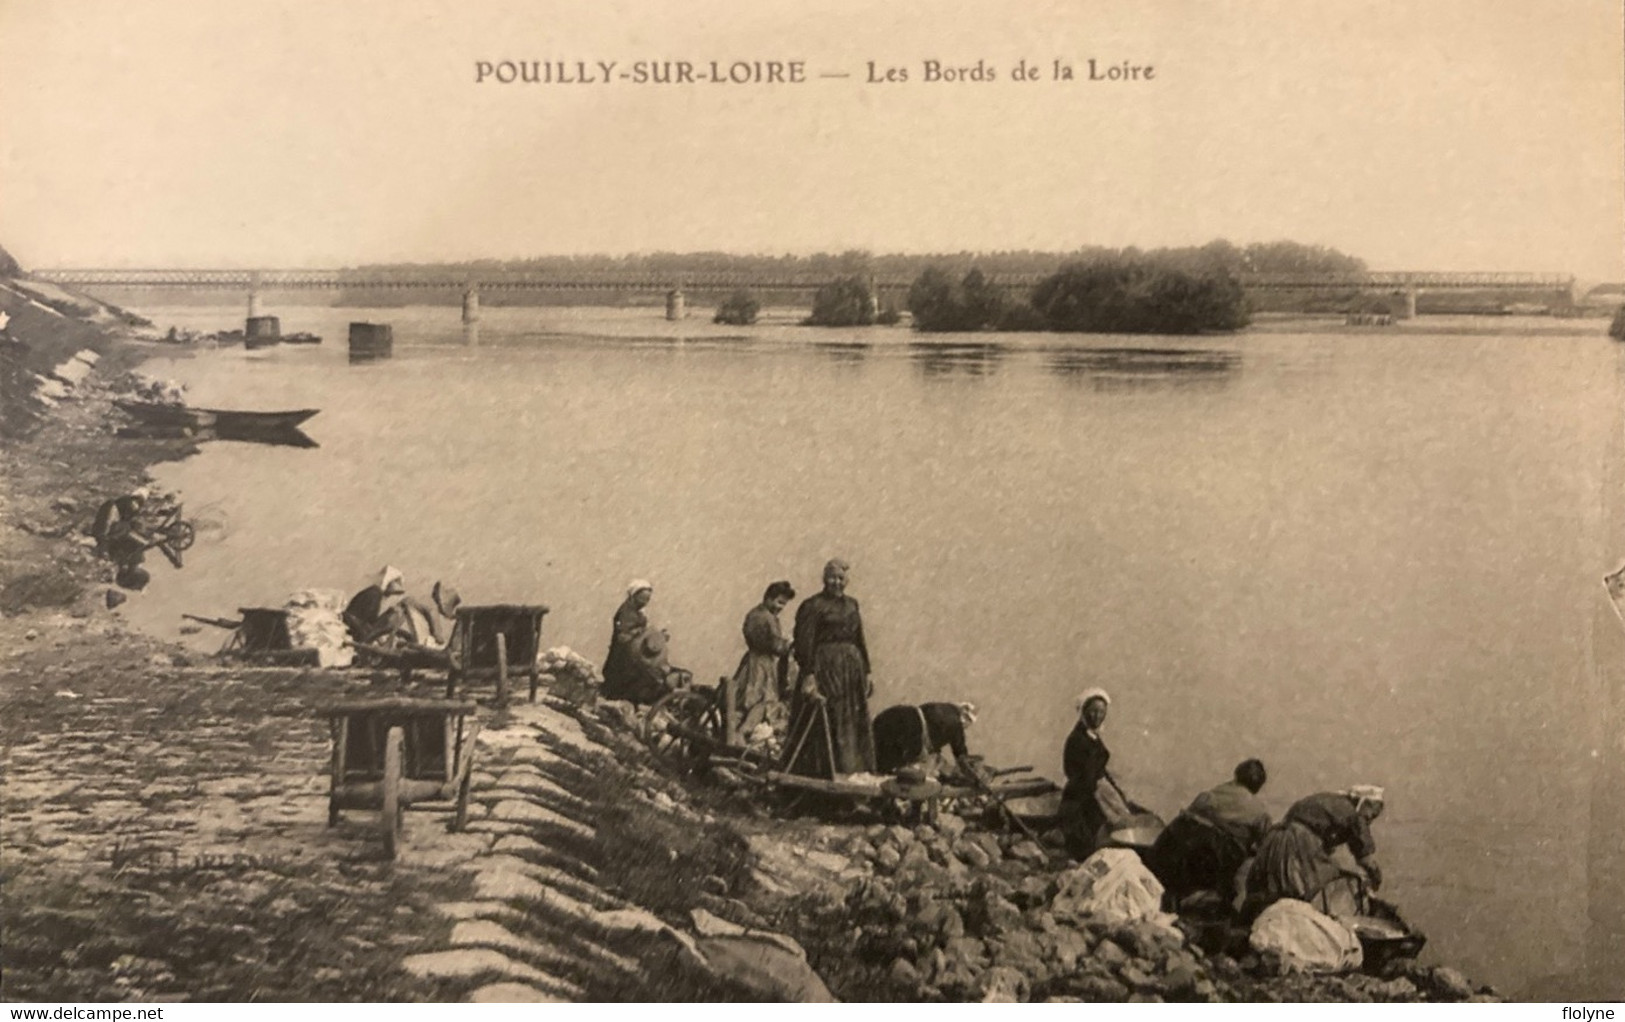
(1365, 557)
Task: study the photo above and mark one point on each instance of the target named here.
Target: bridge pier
(471, 315)
(676, 304)
(1403, 305)
(256, 307)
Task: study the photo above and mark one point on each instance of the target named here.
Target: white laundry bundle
(316, 621)
(565, 663)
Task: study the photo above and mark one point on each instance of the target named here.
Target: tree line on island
(1098, 290)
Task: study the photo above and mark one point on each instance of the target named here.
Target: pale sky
(1417, 134)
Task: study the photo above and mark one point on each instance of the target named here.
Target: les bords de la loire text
(797, 72)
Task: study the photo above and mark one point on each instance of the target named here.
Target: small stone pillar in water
(471, 316)
(256, 308)
(260, 331)
(676, 304)
(370, 341)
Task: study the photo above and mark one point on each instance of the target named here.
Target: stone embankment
(167, 838)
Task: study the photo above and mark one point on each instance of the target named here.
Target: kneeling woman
(1295, 858)
(1092, 802)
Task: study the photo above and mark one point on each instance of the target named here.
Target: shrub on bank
(941, 306)
(739, 309)
(1133, 297)
(844, 301)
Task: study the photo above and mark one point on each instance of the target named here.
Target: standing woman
(1092, 798)
(754, 695)
(834, 665)
(623, 674)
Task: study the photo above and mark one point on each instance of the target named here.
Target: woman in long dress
(625, 673)
(834, 675)
(755, 694)
(1091, 800)
(383, 614)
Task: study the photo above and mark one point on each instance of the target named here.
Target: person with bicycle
(121, 537)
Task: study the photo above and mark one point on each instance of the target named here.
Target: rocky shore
(166, 835)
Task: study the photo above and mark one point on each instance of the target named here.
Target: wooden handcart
(392, 753)
(262, 637)
(494, 642)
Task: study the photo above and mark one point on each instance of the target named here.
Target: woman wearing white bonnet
(1092, 802)
(624, 675)
(1295, 858)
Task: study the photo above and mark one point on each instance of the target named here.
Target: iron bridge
(645, 281)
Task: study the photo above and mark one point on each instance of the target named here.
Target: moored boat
(223, 419)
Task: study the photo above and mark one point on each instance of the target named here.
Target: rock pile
(951, 913)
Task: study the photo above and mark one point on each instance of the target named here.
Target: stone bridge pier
(471, 314)
(1402, 303)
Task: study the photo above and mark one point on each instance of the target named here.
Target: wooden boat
(224, 420)
(1040, 810)
(301, 339)
(872, 786)
(286, 437)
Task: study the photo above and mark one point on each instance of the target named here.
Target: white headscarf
(1091, 693)
(390, 580)
(633, 587)
(967, 713)
(1364, 794)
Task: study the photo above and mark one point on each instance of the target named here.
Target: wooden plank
(404, 704)
(370, 794)
(858, 789)
(502, 669)
(341, 733)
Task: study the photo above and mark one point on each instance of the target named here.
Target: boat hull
(224, 420)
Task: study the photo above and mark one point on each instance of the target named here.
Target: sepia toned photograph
(545, 501)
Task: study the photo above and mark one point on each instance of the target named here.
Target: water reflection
(847, 353)
(936, 361)
(1120, 369)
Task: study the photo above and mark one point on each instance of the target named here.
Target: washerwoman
(834, 673)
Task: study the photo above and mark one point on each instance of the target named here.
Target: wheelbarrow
(493, 642)
(393, 753)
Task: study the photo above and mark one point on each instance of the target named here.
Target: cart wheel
(390, 819)
(180, 535)
(459, 819)
(698, 727)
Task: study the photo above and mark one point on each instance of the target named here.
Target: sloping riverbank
(166, 830)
